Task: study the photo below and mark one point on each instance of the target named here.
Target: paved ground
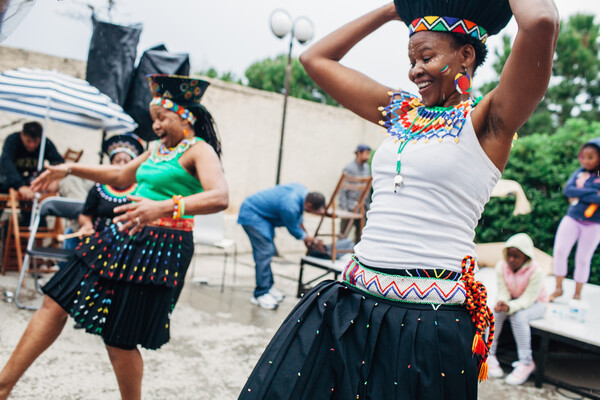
(216, 339)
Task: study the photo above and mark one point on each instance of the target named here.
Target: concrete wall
(319, 140)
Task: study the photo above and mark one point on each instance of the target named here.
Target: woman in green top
(123, 282)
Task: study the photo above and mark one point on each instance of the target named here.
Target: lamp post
(302, 29)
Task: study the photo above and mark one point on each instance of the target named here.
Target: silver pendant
(397, 182)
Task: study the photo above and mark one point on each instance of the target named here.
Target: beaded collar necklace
(407, 119)
(114, 194)
(162, 153)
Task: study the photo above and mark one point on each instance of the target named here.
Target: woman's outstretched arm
(115, 175)
(524, 79)
(352, 89)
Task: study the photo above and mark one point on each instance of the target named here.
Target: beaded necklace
(163, 153)
(114, 194)
(407, 119)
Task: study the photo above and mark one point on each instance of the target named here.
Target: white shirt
(430, 222)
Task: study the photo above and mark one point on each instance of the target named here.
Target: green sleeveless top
(161, 176)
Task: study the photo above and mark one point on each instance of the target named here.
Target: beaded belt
(184, 224)
(438, 287)
(409, 289)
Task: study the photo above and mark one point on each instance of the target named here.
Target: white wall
(319, 140)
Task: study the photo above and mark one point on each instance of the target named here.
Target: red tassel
(479, 346)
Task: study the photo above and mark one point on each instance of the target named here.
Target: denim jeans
(263, 250)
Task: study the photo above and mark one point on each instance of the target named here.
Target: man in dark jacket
(19, 160)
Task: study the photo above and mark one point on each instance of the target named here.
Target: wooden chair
(349, 182)
(17, 235)
(4, 205)
(72, 155)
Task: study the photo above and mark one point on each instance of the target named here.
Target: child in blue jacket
(581, 225)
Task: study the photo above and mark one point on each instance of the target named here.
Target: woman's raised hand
(52, 173)
(139, 214)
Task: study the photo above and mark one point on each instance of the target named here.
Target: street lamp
(302, 29)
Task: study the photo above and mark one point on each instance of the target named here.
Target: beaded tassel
(481, 315)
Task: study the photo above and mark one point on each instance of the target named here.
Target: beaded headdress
(126, 143)
(475, 18)
(177, 93)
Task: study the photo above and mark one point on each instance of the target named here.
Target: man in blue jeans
(260, 214)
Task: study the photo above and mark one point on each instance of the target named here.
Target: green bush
(541, 163)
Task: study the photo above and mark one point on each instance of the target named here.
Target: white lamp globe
(303, 29)
(281, 23)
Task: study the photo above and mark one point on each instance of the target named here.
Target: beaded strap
(178, 207)
(481, 315)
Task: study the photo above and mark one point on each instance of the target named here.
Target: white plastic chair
(209, 230)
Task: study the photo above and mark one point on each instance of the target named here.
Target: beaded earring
(463, 82)
(186, 133)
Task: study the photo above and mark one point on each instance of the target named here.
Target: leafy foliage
(225, 76)
(541, 163)
(269, 74)
(574, 90)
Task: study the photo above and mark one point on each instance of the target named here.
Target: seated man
(19, 160)
(348, 198)
(260, 214)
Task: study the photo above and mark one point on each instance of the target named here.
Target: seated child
(521, 297)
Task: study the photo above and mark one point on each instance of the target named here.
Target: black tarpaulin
(111, 58)
(156, 60)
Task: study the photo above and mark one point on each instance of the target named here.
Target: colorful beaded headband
(122, 148)
(448, 24)
(171, 106)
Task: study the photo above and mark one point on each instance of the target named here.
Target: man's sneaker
(277, 295)
(494, 369)
(520, 374)
(265, 301)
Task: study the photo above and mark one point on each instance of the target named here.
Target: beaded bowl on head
(126, 143)
(182, 90)
(476, 18)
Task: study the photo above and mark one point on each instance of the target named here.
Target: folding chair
(15, 234)
(72, 155)
(58, 207)
(333, 265)
(209, 230)
(349, 182)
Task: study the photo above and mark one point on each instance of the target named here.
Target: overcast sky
(229, 35)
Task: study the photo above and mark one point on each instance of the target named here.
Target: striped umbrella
(51, 95)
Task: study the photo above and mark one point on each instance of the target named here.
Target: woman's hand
(85, 231)
(53, 173)
(139, 214)
(501, 307)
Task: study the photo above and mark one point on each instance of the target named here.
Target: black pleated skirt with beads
(343, 343)
(123, 287)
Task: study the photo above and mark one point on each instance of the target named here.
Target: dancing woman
(407, 320)
(101, 201)
(124, 281)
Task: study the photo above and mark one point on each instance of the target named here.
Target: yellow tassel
(381, 122)
(483, 372)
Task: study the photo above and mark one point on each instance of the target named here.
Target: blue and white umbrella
(51, 95)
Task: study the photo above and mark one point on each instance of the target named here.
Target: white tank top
(430, 222)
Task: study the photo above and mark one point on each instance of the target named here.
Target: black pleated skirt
(124, 288)
(342, 343)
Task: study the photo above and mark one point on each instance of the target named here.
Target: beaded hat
(125, 143)
(476, 18)
(177, 93)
